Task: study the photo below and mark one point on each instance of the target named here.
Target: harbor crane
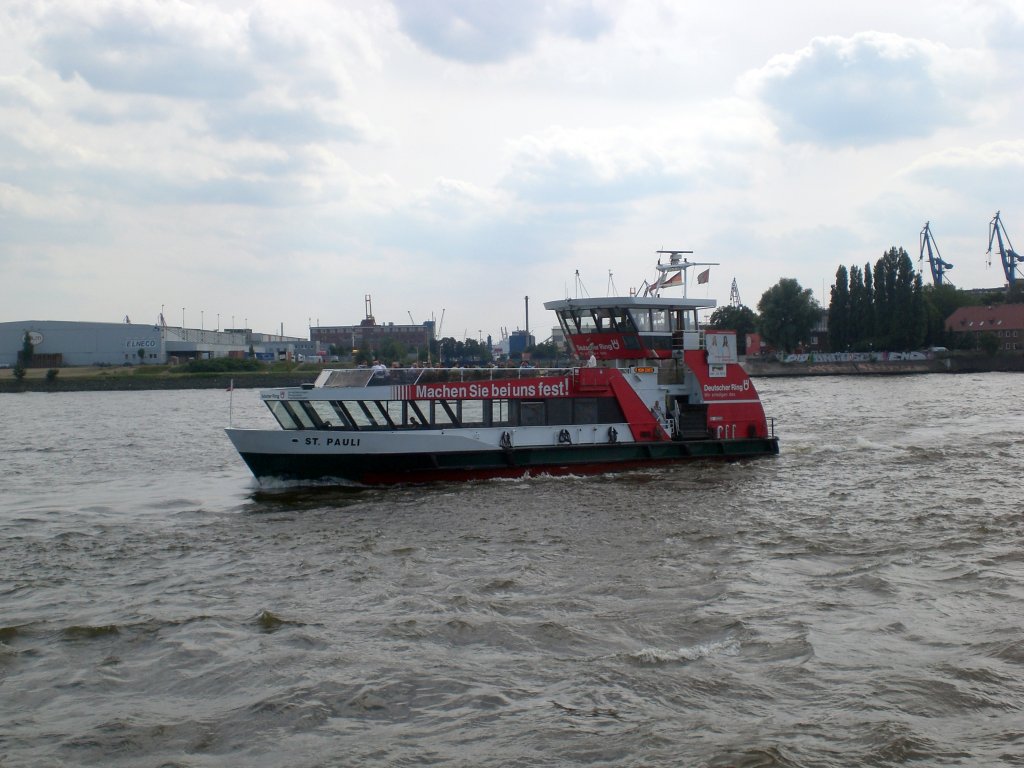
(938, 266)
(1009, 257)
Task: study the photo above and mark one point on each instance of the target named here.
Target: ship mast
(675, 272)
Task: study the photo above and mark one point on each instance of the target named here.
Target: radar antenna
(938, 266)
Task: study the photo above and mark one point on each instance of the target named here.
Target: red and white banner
(484, 390)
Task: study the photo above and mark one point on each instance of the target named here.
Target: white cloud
(870, 88)
(987, 173)
(277, 161)
(476, 32)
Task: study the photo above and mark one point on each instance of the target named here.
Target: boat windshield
(367, 377)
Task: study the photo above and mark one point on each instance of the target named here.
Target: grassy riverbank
(88, 378)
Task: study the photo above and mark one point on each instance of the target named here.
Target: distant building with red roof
(1005, 321)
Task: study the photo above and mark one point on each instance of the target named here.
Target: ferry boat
(654, 389)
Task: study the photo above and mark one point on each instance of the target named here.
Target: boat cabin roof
(631, 302)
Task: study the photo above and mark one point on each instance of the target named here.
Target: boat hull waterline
(420, 467)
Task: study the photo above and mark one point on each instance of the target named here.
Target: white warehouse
(58, 343)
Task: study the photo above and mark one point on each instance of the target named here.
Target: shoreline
(122, 382)
(945, 365)
(104, 380)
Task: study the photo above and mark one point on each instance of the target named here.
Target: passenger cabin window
(641, 319)
(586, 410)
(327, 414)
(531, 413)
(500, 412)
(623, 322)
(599, 320)
(360, 414)
(444, 413)
(659, 321)
(587, 323)
(282, 414)
(296, 410)
(472, 412)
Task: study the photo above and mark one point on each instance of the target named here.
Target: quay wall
(948, 364)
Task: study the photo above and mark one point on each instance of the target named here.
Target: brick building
(1005, 321)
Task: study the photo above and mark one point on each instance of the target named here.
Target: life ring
(506, 440)
(613, 435)
(563, 437)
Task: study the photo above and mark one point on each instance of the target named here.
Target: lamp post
(183, 318)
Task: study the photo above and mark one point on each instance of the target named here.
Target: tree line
(880, 309)
(883, 307)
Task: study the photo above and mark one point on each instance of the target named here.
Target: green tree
(988, 342)
(450, 350)
(475, 352)
(741, 319)
(897, 313)
(547, 351)
(839, 312)
(859, 317)
(884, 298)
(788, 313)
(27, 350)
(941, 301)
(870, 309)
(390, 350)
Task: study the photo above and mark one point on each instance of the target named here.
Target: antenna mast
(678, 264)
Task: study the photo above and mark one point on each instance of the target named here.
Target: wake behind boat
(657, 389)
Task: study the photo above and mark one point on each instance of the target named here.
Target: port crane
(938, 266)
(1009, 257)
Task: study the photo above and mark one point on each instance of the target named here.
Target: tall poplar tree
(839, 312)
(868, 308)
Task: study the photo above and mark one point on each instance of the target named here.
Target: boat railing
(460, 373)
(367, 377)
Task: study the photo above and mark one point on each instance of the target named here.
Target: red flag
(676, 279)
(704, 276)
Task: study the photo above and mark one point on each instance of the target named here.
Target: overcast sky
(274, 162)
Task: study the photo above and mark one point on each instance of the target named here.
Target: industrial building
(59, 343)
(369, 336)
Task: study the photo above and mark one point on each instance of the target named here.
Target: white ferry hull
(388, 458)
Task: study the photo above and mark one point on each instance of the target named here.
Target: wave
(268, 621)
(89, 632)
(658, 657)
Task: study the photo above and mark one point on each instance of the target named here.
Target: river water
(857, 600)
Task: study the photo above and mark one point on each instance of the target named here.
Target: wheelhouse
(630, 328)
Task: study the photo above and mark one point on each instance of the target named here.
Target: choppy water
(858, 600)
